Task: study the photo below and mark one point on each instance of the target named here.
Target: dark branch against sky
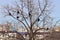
(55, 13)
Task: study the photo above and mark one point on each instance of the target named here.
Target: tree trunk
(31, 35)
(33, 38)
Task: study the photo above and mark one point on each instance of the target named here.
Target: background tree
(30, 14)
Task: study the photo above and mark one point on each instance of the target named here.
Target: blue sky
(56, 9)
(55, 12)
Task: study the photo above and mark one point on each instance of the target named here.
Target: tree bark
(31, 35)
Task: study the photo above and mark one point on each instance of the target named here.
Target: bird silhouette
(17, 17)
(9, 13)
(38, 19)
(17, 12)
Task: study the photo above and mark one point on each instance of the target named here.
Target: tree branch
(42, 11)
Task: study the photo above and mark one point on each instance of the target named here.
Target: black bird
(47, 29)
(9, 13)
(29, 14)
(38, 19)
(17, 12)
(17, 17)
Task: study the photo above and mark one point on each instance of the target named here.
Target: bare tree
(30, 13)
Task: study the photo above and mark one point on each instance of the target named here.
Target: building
(7, 34)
